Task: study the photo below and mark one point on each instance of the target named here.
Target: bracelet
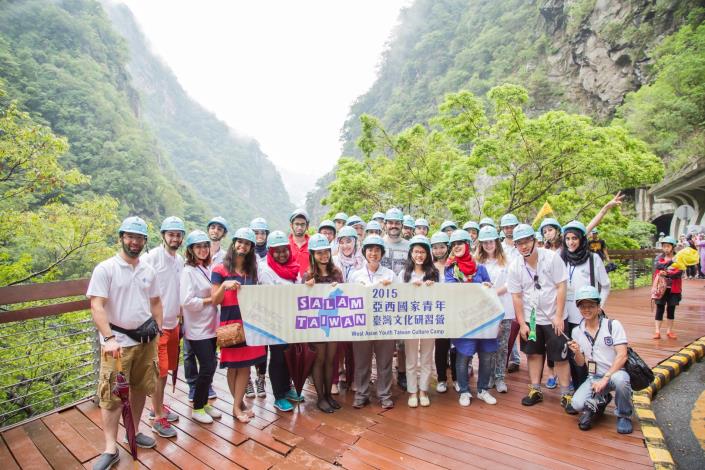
(108, 338)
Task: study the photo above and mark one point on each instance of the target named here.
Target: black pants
(577, 374)
(262, 366)
(670, 311)
(190, 367)
(279, 371)
(441, 356)
(204, 350)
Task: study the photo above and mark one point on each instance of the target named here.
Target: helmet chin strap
(533, 245)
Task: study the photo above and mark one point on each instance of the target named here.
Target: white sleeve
(154, 289)
(603, 278)
(559, 271)
(513, 280)
(99, 285)
(618, 334)
(188, 297)
(399, 277)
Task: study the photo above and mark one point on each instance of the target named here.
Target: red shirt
(300, 254)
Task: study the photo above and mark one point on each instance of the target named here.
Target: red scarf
(288, 271)
(465, 263)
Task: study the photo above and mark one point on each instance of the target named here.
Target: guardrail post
(632, 273)
(95, 348)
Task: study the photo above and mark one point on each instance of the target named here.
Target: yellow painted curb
(664, 372)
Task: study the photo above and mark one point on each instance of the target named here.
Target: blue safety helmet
(508, 219)
(318, 242)
(299, 213)
(394, 214)
(669, 239)
(549, 222)
(488, 233)
(448, 224)
(408, 221)
(197, 236)
(594, 231)
(575, 225)
(354, 220)
(173, 223)
(373, 225)
(471, 225)
(420, 240)
(587, 293)
(487, 221)
(259, 224)
(440, 237)
(522, 231)
(378, 215)
(347, 232)
(421, 223)
(327, 224)
(341, 216)
(220, 221)
(277, 238)
(133, 225)
(245, 233)
(460, 235)
(373, 240)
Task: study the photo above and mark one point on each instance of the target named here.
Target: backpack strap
(609, 326)
(592, 270)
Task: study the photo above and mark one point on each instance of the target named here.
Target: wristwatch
(106, 338)
(608, 375)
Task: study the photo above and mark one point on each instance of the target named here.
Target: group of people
(551, 284)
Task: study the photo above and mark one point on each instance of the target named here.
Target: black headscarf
(580, 255)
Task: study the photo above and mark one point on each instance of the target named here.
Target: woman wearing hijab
(280, 268)
(461, 267)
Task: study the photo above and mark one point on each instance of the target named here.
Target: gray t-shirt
(395, 254)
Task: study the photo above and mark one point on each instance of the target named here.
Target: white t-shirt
(579, 276)
(200, 321)
(520, 280)
(603, 353)
(498, 276)
(510, 251)
(368, 278)
(395, 254)
(267, 276)
(414, 277)
(128, 291)
(169, 276)
(218, 258)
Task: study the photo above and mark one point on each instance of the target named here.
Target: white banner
(351, 312)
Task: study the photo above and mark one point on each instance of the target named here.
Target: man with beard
(407, 229)
(298, 239)
(217, 228)
(507, 224)
(124, 294)
(168, 264)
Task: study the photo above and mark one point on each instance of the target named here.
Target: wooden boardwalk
(444, 435)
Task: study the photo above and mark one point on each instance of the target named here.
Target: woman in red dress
(239, 268)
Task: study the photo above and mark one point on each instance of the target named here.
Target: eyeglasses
(537, 286)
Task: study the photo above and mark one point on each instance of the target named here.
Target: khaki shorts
(141, 368)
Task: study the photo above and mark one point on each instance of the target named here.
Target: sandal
(656, 335)
(672, 335)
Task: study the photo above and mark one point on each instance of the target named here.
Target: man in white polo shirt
(217, 228)
(124, 294)
(601, 344)
(168, 264)
(537, 282)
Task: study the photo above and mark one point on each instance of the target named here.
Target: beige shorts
(141, 368)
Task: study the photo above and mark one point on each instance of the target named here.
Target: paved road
(680, 408)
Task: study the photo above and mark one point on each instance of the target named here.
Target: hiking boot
(465, 399)
(283, 404)
(212, 411)
(585, 419)
(105, 461)
(259, 384)
(166, 413)
(211, 393)
(535, 396)
(162, 427)
(201, 416)
(401, 380)
(512, 367)
(442, 387)
(293, 396)
(552, 382)
(144, 441)
(487, 398)
(566, 404)
(501, 386)
(250, 391)
(624, 425)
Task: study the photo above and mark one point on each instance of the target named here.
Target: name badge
(570, 294)
(592, 367)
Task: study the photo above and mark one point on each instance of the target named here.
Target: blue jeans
(515, 354)
(483, 375)
(619, 384)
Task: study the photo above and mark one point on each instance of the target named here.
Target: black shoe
(333, 402)
(401, 380)
(585, 420)
(535, 396)
(513, 367)
(105, 461)
(324, 406)
(602, 406)
(566, 403)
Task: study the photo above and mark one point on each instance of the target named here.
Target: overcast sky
(283, 72)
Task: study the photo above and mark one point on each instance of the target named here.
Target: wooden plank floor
(445, 435)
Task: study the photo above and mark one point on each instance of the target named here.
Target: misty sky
(282, 72)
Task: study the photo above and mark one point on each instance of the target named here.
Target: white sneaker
(212, 411)
(201, 416)
(334, 390)
(501, 386)
(424, 400)
(465, 399)
(456, 386)
(413, 401)
(442, 387)
(487, 398)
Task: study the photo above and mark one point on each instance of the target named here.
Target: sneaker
(144, 441)
(334, 390)
(105, 461)
(360, 403)
(387, 404)
(201, 416)
(212, 411)
(250, 391)
(624, 425)
(401, 380)
(424, 400)
(259, 384)
(585, 419)
(566, 404)
(535, 396)
(552, 382)
(456, 386)
(293, 396)
(465, 399)
(211, 393)
(512, 367)
(168, 414)
(501, 386)
(283, 405)
(487, 398)
(413, 401)
(162, 427)
(191, 392)
(442, 387)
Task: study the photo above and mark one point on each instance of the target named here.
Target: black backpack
(640, 374)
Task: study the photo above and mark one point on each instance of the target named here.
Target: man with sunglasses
(537, 282)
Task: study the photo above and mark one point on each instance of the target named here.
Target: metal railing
(636, 265)
(49, 350)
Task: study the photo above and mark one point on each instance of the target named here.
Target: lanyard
(571, 270)
(205, 275)
(591, 339)
(370, 276)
